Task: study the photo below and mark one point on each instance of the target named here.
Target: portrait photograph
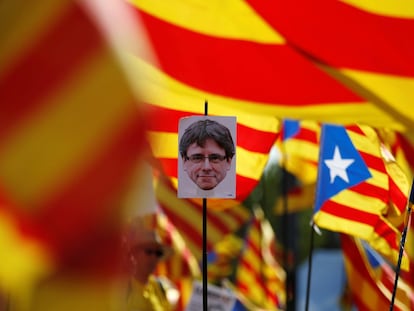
(207, 157)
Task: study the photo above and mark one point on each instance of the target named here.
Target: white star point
(337, 166)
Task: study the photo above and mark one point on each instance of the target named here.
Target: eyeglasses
(156, 252)
(213, 158)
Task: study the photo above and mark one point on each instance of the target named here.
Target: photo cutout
(207, 157)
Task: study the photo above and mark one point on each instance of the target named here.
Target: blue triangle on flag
(340, 164)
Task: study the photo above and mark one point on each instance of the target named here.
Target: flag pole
(310, 257)
(403, 237)
(205, 283)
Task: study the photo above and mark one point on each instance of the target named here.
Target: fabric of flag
(370, 276)
(187, 217)
(241, 66)
(299, 149)
(368, 55)
(259, 277)
(355, 190)
(257, 56)
(71, 134)
(222, 257)
(182, 263)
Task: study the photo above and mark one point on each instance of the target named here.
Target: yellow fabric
(147, 297)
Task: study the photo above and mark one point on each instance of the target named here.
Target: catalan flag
(71, 132)
(369, 275)
(259, 278)
(187, 217)
(299, 148)
(356, 191)
(368, 55)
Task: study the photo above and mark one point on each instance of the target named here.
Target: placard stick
(205, 282)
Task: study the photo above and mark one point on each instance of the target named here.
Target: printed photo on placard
(207, 157)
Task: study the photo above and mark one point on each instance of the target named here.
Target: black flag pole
(310, 257)
(205, 283)
(403, 237)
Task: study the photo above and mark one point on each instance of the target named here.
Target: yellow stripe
(389, 93)
(363, 231)
(400, 8)
(167, 92)
(163, 144)
(360, 202)
(62, 138)
(338, 224)
(229, 19)
(21, 24)
(23, 261)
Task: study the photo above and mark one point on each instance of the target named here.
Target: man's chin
(206, 186)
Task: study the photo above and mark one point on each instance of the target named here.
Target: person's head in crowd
(207, 149)
(144, 248)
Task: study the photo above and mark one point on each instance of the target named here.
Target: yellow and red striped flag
(368, 56)
(370, 276)
(71, 135)
(357, 192)
(187, 217)
(259, 278)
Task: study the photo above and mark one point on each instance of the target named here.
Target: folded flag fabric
(356, 192)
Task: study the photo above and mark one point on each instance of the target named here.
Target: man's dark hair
(198, 132)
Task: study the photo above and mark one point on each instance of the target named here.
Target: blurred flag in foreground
(259, 278)
(359, 190)
(369, 275)
(71, 136)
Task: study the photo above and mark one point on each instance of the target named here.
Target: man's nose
(206, 164)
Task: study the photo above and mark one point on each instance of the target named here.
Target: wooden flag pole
(205, 282)
(403, 237)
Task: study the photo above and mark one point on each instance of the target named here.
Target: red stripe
(46, 66)
(244, 186)
(397, 196)
(372, 191)
(307, 135)
(370, 42)
(241, 69)
(375, 221)
(165, 119)
(349, 213)
(373, 161)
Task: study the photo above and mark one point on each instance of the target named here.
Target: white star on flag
(337, 166)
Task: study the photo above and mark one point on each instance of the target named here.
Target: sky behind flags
(353, 189)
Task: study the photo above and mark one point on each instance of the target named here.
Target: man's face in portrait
(206, 166)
